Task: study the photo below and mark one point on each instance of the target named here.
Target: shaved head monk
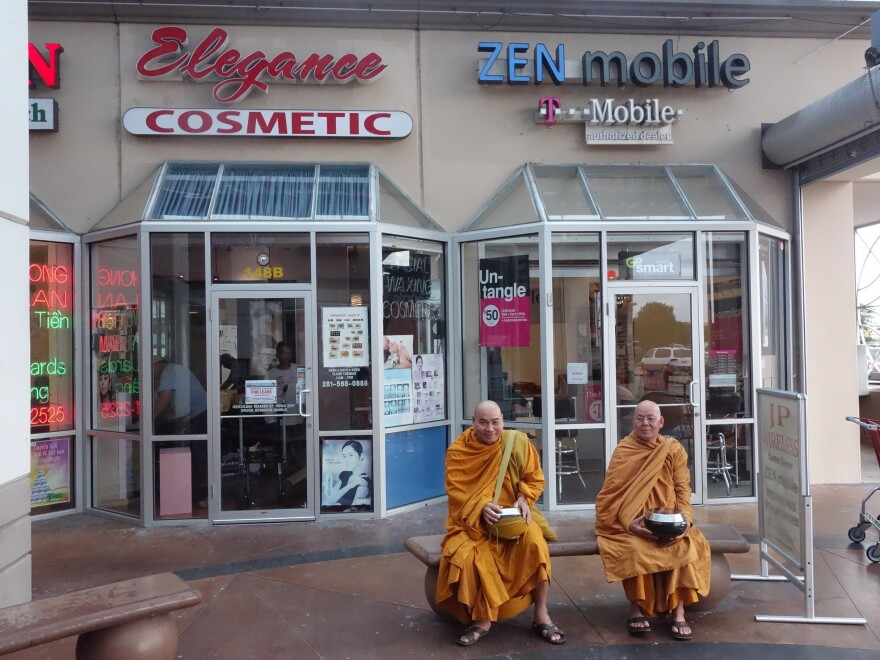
(648, 471)
(484, 579)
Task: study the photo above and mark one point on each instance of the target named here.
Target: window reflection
(414, 325)
(343, 290)
(510, 360)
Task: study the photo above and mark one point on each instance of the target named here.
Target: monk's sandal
(546, 631)
(472, 635)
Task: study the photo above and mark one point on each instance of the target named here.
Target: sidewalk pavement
(341, 589)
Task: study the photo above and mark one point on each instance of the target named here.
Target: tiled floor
(345, 589)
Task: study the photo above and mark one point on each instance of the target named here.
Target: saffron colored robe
(481, 578)
(641, 478)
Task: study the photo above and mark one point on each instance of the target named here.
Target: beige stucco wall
(467, 138)
(830, 324)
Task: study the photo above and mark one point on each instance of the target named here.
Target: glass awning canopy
(600, 193)
(198, 191)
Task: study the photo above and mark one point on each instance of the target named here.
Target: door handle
(691, 398)
(301, 400)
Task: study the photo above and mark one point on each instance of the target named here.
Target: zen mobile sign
(194, 122)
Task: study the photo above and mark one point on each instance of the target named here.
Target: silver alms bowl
(666, 523)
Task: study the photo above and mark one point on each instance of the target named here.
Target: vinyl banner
(505, 301)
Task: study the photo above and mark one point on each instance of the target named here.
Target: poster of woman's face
(347, 474)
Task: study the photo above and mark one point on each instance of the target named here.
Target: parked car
(663, 356)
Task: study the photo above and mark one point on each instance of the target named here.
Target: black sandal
(547, 630)
(676, 627)
(638, 630)
(472, 635)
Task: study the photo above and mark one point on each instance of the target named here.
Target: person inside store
(235, 379)
(647, 471)
(180, 404)
(484, 579)
(396, 354)
(285, 376)
(354, 484)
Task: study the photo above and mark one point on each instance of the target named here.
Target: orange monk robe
(641, 478)
(480, 578)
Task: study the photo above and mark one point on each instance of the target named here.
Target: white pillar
(15, 529)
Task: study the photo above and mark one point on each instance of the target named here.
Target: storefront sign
(652, 265)
(505, 301)
(195, 122)
(511, 64)
(47, 69)
(783, 471)
(345, 337)
(42, 114)
(241, 73)
(608, 122)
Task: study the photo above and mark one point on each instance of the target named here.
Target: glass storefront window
(649, 257)
(116, 476)
(177, 268)
(577, 335)
(501, 360)
(774, 291)
(115, 310)
(260, 257)
(726, 329)
(343, 192)
(414, 325)
(51, 300)
(343, 292)
(728, 359)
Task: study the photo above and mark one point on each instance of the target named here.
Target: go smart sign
(703, 66)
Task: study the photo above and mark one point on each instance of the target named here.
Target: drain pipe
(797, 323)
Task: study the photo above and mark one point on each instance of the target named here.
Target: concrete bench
(722, 539)
(129, 619)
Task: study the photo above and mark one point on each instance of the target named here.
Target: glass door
(654, 358)
(262, 445)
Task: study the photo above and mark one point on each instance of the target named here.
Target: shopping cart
(870, 430)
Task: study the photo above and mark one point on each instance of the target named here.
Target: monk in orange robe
(483, 579)
(648, 471)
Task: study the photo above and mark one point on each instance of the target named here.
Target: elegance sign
(240, 73)
(194, 122)
(704, 66)
(609, 122)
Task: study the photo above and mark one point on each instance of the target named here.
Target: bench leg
(720, 584)
(147, 639)
(431, 593)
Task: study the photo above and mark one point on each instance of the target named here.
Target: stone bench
(722, 539)
(129, 619)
